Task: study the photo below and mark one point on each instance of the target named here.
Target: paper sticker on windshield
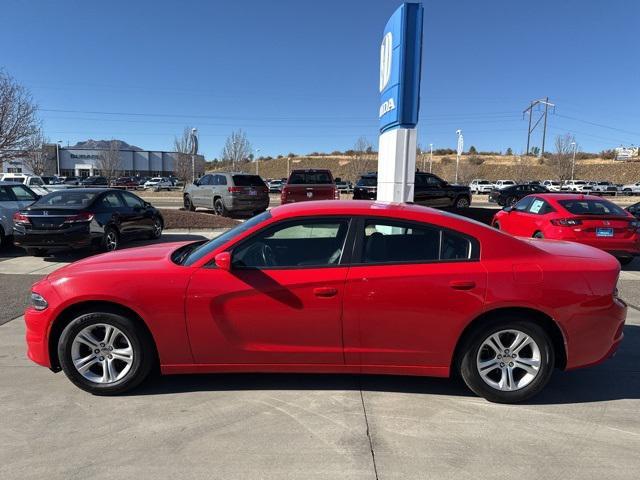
(536, 206)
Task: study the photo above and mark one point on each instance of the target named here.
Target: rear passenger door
(410, 285)
(140, 219)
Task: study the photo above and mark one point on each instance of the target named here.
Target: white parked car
(552, 185)
(158, 183)
(604, 188)
(479, 185)
(631, 188)
(34, 182)
(500, 184)
(13, 198)
(576, 186)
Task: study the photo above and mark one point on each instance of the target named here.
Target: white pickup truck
(34, 182)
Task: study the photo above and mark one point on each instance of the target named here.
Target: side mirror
(507, 209)
(223, 261)
(196, 182)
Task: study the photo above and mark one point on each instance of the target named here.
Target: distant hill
(104, 144)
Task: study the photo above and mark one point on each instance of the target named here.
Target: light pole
(573, 162)
(430, 156)
(58, 158)
(256, 159)
(193, 147)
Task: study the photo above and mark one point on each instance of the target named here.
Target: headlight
(38, 302)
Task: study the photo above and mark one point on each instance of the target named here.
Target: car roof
(87, 190)
(566, 196)
(6, 182)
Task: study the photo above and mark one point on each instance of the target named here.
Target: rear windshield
(367, 182)
(67, 199)
(592, 207)
(247, 181)
(310, 178)
(484, 182)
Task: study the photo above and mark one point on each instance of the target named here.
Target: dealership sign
(400, 61)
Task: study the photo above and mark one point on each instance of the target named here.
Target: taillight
(336, 194)
(81, 217)
(566, 222)
(234, 189)
(20, 218)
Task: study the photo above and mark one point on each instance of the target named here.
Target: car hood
(147, 258)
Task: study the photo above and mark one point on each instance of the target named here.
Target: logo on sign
(386, 107)
(385, 60)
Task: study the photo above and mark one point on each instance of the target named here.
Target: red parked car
(579, 218)
(304, 185)
(335, 286)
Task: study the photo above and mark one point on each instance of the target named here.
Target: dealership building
(85, 162)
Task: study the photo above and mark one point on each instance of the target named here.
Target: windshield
(484, 182)
(592, 207)
(206, 248)
(66, 198)
(368, 182)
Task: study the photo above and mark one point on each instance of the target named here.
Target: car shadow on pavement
(616, 379)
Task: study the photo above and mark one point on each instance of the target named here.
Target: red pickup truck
(304, 185)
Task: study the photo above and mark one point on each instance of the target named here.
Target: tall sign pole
(459, 150)
(193, 148)
(400, 62)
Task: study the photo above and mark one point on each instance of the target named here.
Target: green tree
(509, 151)
(472, 150)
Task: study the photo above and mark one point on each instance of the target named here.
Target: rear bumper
(242, 205)
(75, 237)
(593, 337)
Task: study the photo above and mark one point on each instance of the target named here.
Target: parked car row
(74, 218)
(483, 186)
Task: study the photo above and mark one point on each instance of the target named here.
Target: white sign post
(459, 151)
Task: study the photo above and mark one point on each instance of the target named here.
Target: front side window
(399, 242)
(300, 243)
(523, 204)
(132, 201)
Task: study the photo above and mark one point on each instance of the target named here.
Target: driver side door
(281, 301)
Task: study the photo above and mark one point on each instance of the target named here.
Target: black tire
(538, 235)
(188, 204)
(36, 252)
(462, 202)
(156, 228)
(511, 201)
(469, 355)
(625, 260)
(3, 238)
(219, 208)
(110, 239)
(143, 357)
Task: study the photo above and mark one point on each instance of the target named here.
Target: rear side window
(247, 181)
(399, 242)
(592, 207)
(540, 207)
(111, 200)
(132, 201)
(22, 194)
(310, 178)
(4, 195)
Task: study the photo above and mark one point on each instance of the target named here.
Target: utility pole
(573, 162)
(530, 129)
(256, 159)
(459, 151)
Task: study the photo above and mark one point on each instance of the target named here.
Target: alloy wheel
(508, 360)
(157, 228)
(111, 241)
(462, 203)
(102, 353)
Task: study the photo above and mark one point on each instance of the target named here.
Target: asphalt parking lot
(584, 425)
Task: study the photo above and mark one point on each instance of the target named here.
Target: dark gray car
(228, 193)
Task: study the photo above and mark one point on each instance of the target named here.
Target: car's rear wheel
(105, 353)
(36, 252)
(462, 202)
(508, 361)
(110, 239)
(156, 228)
(511, 201)
(219, 208)
(188, 204)
(3, 238)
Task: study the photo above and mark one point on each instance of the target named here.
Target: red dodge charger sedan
(334, 286)
(579, 218)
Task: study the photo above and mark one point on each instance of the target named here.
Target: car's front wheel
(105, 353)
(462, 202)
(508, 361)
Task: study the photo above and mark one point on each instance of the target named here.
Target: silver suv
(228, 193)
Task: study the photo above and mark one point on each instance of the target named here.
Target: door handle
(462, 284)
(325, 292)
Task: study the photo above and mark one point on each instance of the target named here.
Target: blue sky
(302, 76)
